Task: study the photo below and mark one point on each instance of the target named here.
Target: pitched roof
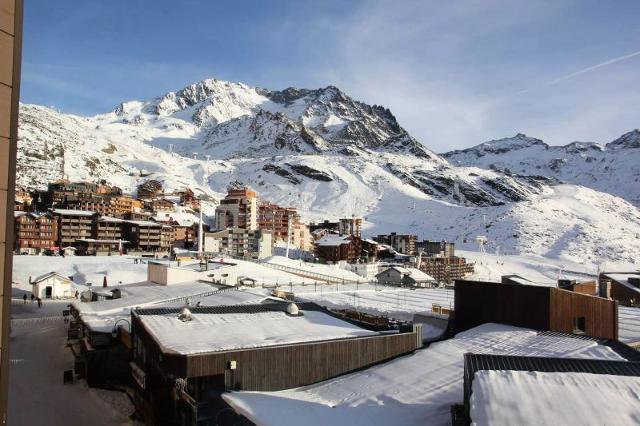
(43, 277)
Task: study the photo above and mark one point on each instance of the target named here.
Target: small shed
(52, 286)
(405, 276)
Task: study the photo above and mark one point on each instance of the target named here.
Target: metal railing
(308, 274)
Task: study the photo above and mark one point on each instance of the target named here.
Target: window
(579, 325)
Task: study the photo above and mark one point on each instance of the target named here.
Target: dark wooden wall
(479, 302)
(284, 367)
(601, 315)
(538, 308)
(278, 367)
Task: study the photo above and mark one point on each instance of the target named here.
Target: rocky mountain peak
(628, 140)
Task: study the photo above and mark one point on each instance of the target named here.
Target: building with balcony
(35, 232)
(239, 209)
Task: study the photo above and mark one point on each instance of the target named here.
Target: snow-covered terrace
(101, 316)
(214, 332)
(417, 389)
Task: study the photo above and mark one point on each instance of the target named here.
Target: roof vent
(292, 310)
(185, 315)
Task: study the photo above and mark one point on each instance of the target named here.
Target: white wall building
(406, 276)
(52, 286)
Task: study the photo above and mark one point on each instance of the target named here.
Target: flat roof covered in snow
(70, 212)
(623, 279)
(234, 329)
(142, 294)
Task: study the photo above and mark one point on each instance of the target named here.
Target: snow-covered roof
(526, 397)
(209, 332)
(417, 389)
(414, 273)
(49, 275)
(623, 279)
(142, 294)
(70, 212)
(93, 240)
(145, 223)
(333, 240)
(111, 219)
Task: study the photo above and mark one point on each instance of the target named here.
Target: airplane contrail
(594, 67)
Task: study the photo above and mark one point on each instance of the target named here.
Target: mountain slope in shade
(329, 156)
(613, 168)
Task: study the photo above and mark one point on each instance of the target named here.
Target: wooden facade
(538, 308)
(278, 367)
(178, 388)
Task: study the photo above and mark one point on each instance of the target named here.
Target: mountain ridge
(325, 154)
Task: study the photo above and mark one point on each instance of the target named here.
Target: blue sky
(454, 73)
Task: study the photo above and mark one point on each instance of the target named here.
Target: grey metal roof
(478, 362)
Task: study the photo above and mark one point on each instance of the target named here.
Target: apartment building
(239, 209)
(243, 243)
(65, 191)
(334, 248)
(149, 189)
(436, 248)
(405, 244)
(144, 235)
(35, 232)
(73, 225)
(350, 226)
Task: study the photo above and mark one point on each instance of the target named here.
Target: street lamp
(114, 331)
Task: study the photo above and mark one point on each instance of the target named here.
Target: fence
(331, 279)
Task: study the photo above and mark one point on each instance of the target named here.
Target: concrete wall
(10, 57)
(163, 274)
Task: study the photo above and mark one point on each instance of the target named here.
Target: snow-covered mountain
(613, 168)
(329, 156)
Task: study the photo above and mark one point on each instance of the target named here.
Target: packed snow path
(37, 395)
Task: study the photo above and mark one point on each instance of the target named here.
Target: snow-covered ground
(83, 269)
(413, 390)
(537, 269)
(318, 268)
(398, 303)
(37, 395)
